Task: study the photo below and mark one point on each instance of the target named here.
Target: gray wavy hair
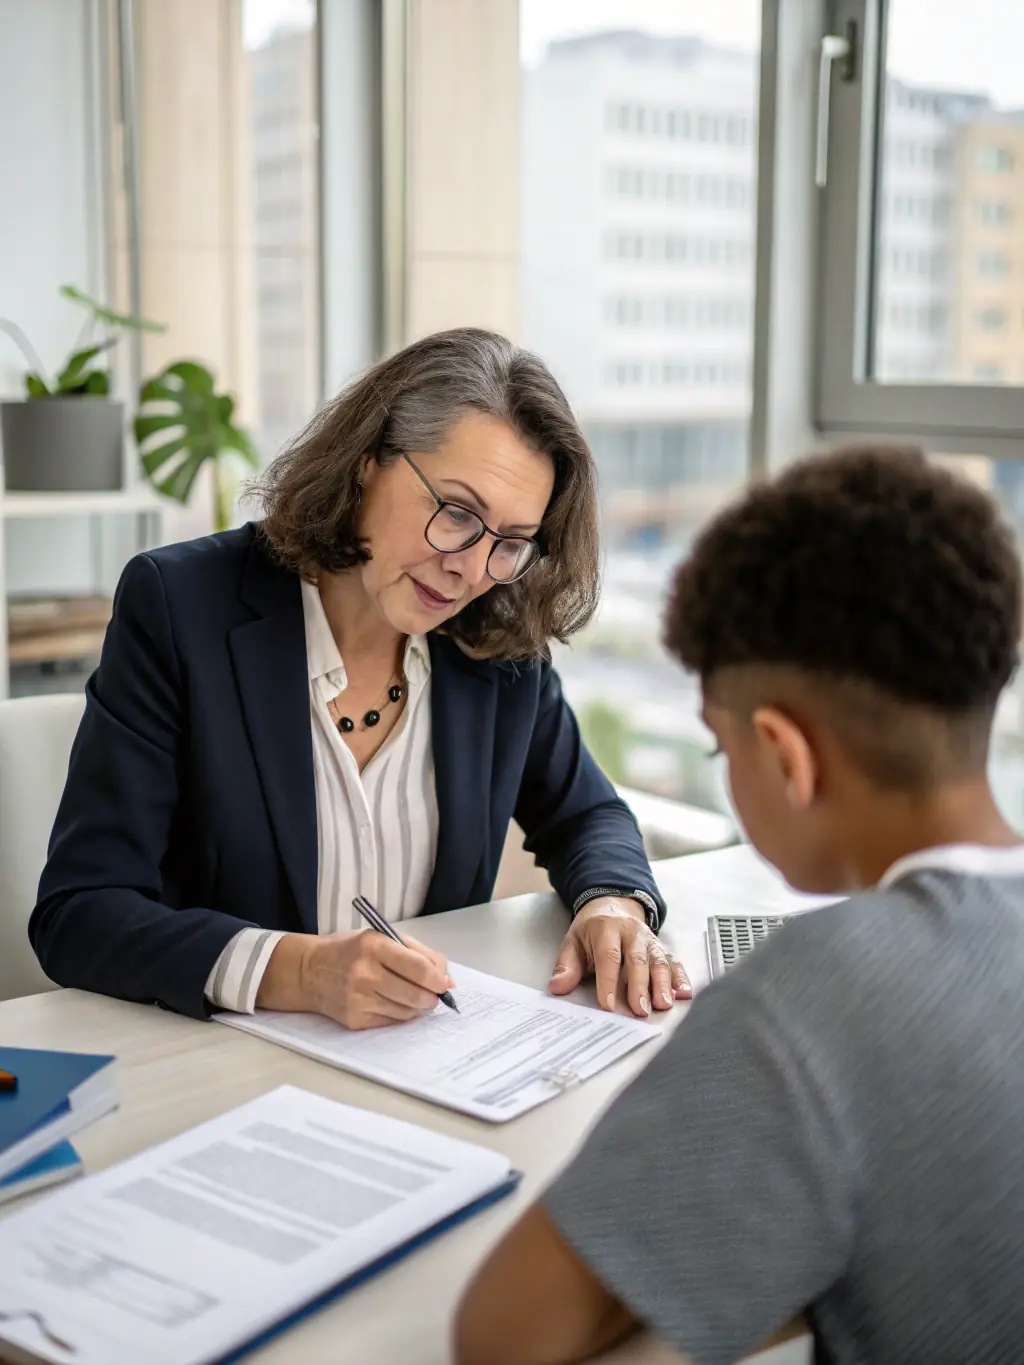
(409, 402)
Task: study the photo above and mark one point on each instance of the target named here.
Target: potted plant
(182, 424)
(67, 435)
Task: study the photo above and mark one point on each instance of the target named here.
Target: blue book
(57, 1094)
(60, 1163)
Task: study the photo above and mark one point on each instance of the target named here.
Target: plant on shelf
(83, 373)
(182, 424)
(67, 434)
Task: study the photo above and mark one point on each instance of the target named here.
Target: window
(670, 278)
(959, 384)
(995, 158)
(991, 319)
(948, 127)
(994, 214)
(281, 52)
(993, 264)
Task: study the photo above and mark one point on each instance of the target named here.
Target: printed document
(186, 1252)
(508, 1050)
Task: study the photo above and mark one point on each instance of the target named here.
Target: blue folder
(58, 1164)
(375, 1267)
(58, 1093)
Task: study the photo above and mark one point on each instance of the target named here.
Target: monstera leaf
(183, 423)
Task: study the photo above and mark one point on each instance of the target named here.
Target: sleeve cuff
(653, 912)
(237, 973)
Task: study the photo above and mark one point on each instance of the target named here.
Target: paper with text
(510, 1049)
(188, 1251)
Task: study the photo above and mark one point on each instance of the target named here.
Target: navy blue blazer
(190, 809)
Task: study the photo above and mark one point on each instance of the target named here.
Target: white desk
(176, 1072)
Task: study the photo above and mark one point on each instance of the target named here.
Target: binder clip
(562, 1080)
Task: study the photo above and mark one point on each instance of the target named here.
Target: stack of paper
(509, 1049)
(216, 1240)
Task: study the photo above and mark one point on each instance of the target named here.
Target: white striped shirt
(376, 830)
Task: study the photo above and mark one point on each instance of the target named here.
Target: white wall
(50, 234)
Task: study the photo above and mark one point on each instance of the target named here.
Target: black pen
(377, 921)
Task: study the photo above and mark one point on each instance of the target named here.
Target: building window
(994, 213)
(991, 319)
(993, 264)
(991, 158)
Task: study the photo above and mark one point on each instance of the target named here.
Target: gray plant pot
(63, 445)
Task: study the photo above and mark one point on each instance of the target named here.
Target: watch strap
(652, 914)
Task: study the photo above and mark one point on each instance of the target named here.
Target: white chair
(36, 735)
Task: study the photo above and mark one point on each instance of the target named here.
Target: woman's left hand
(611, 930)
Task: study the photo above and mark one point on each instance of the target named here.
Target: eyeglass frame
(485, 530)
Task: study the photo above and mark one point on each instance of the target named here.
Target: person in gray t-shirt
(836, 1130)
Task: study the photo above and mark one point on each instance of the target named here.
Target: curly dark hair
(871, 565)
(409, 402)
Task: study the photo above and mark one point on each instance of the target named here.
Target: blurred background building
(296, 187)
(283, 119)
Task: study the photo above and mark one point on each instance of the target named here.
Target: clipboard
(303, 1311)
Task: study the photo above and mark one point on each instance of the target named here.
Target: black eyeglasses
(453, 528)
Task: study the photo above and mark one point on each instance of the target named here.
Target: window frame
(975, 418)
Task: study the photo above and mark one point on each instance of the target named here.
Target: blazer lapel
(463, 703)
(269, 656)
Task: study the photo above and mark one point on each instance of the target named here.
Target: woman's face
(482, 465)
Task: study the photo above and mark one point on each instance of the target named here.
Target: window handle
(834, 48)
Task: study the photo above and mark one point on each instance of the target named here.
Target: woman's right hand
(361, 979)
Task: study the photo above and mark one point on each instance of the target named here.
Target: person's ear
(787, 749)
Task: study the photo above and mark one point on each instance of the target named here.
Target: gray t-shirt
(837, 1129)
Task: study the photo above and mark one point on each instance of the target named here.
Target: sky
(734, 23)
(261, 17)
(951, 43)
(972, 46)
(947, 43)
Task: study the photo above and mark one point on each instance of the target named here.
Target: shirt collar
(323, 657)
(969, 860)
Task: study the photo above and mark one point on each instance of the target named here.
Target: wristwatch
(650, 906)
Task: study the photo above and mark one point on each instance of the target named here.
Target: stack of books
(45, 1098)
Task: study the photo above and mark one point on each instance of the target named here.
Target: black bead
(346, 724)
(371, 718)
(395, 693)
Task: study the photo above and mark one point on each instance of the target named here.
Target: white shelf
(79, 504)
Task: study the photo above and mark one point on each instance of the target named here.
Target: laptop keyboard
(731, 937)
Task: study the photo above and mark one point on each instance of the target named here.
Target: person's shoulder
(826, 963)
(515, 676)
(206, 556)
(198, 578)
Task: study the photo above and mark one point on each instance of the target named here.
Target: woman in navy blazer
(191, 812)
